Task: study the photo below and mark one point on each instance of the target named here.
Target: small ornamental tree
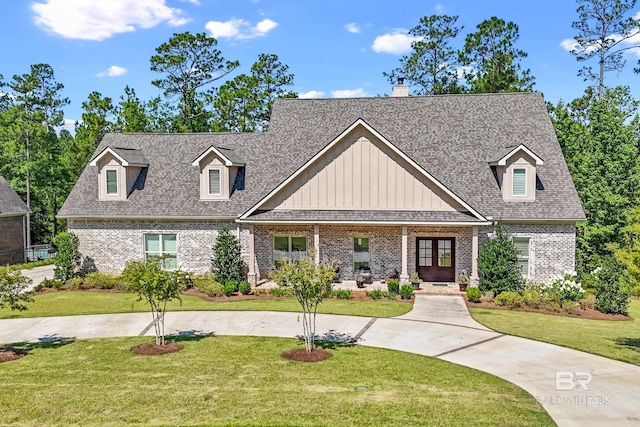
(226, 264)
(68, 258)
(13, 286)
(498, 268)
(157, 287)
(311, 284)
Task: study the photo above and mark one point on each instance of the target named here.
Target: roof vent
(400, 90)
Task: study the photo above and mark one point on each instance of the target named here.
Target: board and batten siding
(362, 172)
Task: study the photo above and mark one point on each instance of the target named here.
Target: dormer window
(516, 173)
(218, 170)
(215, 182)
(112, 181)
(519, 182)
(118, 170)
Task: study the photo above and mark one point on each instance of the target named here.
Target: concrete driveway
(38, 274)
(576, 388)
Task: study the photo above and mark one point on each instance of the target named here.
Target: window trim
(162, 250)
(524, 258)
(513, 182)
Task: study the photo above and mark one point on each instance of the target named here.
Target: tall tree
(190, 63)
(29, 139)
(431, 68)
(97, 120)
(604, 32)
(493, 60)
(244, 103)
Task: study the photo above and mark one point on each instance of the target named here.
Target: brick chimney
(400, 89)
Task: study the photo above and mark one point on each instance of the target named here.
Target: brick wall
(109, 245)
(11, 240)
(552, 247)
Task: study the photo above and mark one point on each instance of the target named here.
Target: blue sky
(334, 48)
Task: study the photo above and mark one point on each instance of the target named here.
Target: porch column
(474, 254)
(316, 242)
(404, 275)
(251, 276)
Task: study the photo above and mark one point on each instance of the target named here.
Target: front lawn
(68, 303)
(244, 381)
(608, 338)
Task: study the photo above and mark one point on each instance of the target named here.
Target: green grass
(243, 381)
(609, 338)
(68, 303)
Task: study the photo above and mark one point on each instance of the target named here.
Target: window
(112, 181)
(361, 257)
(519, 182)
(522, 244)
(288, 247)
(444, 253)
(215, 182)
(162, 245)
(425, 253)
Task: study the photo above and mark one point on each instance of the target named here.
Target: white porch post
(474, 254)
(251, 276)
(316, 242)
(404, 275)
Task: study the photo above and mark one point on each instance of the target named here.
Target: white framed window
(215, 181)
(111, 184)
(361, 255)
(523, 246)
(519, 182)
(162, 245)
(286, 246)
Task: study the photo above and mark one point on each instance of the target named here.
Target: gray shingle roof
(453, 137)
(132, 156)
(10, 201)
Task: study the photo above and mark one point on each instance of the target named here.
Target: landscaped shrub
(258, 292)
(68, 258)
(487, 296)
(531, 297)
(281, 292)
(551, 301)
(393, 285)
(376, 294)
(229, 288)
(610, 298)
(498, 268)
(566, 286)
(244, 287)
(98, 281)
(588, 302)
(342, 293)
(406, 291)
(50, 284)
(509, 299)
(473, 294)
(572, 307)
(208, 286)
(226, 263)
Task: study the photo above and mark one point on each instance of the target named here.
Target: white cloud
(311, 94)
(352, 27)
(113, 71)
(396, 43)
(196, 2)
(463, 70)
(568, 44)
(68, 124)
(349, 93)
(239, 29)
(440, 8)
(100, 19)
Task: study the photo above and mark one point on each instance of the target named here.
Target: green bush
(635, 291)
(67, 258)
(226, 263)
(244, 287)
(588, 302)
(49, 284)
(376, 294)
(98, 281)
(406, 291)
(610, 298)
(258, 292)
(208, 286)
(498, 267)
(229, 288)
(532, 298)
(551, 301)
(509, 299)
(281, 292)
(342, 294)
(393, 285)
(473, 294)
(572, 307)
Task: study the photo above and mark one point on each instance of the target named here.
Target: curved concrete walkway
(438, 326)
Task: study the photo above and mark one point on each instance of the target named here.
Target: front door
(436, 259)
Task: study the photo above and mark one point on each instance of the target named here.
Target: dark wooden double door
(436, 259)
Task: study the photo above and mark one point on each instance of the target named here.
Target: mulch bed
(302, 355)
(153, 349)
(355, 295)
(7, 354)
(583, 314)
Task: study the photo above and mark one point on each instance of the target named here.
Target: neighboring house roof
(454, 138)
(10, 201)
